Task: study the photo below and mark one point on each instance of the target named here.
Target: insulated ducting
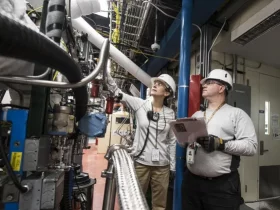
(95, 38)
(55, 19)
(83, 7)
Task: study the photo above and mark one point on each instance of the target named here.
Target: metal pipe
(183, 94)
(86, 50)
(234, 78)
(156, 26)
(37, 76)
(96, 39)
(200, 47)
(111, 18)
(100, 66)
(213, 43)
(110, 187)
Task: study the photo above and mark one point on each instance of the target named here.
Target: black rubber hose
(21, 42)
(10, 170)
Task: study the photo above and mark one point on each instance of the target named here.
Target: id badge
(190, 155)
(155, 154)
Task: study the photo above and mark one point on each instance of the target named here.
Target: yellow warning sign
(16, 160)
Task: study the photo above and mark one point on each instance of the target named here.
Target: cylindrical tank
(95, 88)
(110, 105)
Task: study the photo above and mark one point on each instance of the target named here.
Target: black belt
(213, 178)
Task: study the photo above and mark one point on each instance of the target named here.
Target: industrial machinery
(42, 139)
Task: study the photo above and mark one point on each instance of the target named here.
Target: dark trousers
(220, 193)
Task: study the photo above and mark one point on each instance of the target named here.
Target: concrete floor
(94, 164)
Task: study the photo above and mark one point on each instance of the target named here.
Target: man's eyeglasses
(210, 82)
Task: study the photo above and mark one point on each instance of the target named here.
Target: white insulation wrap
(82, 7)
(95, 38)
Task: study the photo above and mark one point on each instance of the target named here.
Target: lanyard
(207, 121)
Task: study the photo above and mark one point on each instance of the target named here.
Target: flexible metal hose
(130, 182)
(121, 184)
(136, 185)
(21, 42)
(130, 194)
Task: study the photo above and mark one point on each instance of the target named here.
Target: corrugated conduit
(130, 194)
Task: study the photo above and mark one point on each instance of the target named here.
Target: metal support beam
(234, 74)
(143, 91)
(39, 95)
(183, 94)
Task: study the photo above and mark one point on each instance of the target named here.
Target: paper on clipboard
(187, 130)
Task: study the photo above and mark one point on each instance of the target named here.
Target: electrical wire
(10, 171)
(160, 10)
(159, 4)
(156, 56)
(137, 49)
(34, 10)
(208, 54)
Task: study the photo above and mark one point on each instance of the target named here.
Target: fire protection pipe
(183, 94)
(95, 38)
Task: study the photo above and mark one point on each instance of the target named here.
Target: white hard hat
(220, 75)
(168, 80)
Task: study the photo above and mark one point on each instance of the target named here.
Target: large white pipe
(82, 7)
(95, 38)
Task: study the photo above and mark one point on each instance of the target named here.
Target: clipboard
(187, 130)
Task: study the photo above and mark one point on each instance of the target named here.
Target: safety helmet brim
(167, 80)
(229, 87)
(159, 79)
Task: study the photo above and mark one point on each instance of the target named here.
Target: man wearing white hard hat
(154, 143)
(212, 181)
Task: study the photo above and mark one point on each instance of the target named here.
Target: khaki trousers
(158, 177)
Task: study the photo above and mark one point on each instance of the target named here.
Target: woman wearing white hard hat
(212, 180)
(154, 144)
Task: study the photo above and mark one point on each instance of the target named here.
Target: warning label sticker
(16, 160)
